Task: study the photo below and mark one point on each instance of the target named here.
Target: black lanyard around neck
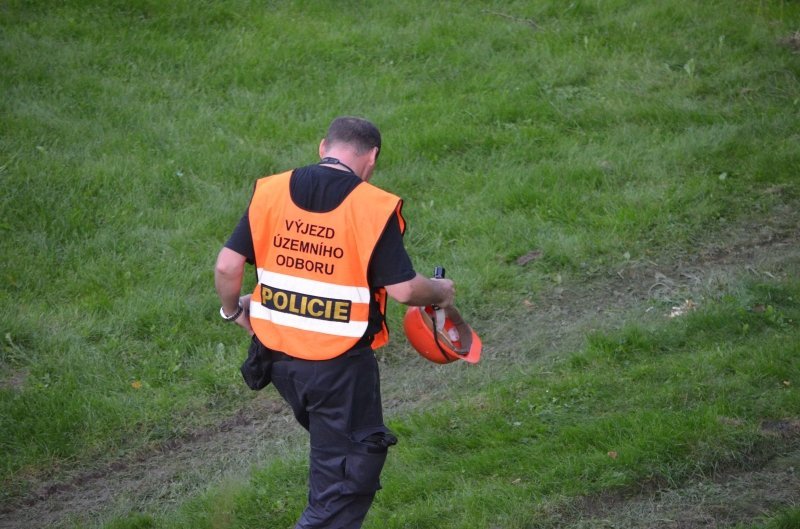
(335, 161)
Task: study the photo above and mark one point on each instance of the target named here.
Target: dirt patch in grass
(522, 338)
(158, 475)
(744, 492)
(792, 41)
(724, 500)
(15, 381)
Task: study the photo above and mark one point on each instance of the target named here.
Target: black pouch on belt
(257, 368)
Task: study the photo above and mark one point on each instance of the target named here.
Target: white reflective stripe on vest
(353, 328)
(315, 288)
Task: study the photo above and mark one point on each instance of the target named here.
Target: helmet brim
(439, 348)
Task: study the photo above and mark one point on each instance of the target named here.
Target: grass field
(593, 138)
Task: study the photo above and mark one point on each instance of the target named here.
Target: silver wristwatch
(233, 316)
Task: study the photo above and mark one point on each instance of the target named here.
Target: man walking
(328, 249)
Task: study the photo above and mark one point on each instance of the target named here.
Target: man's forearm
(228, 274)
(422, 291)
(228, 290)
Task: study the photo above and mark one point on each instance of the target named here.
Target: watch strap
(234, 316)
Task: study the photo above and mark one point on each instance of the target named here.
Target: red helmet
(449, 343)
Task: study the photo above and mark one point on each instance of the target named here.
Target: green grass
(785, 521)
(594, 131)
(638, 406)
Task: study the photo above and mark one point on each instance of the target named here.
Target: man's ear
(323, 147)
(369, 166)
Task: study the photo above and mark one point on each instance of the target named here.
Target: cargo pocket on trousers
(365, 459)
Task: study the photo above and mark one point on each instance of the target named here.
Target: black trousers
(339, 402)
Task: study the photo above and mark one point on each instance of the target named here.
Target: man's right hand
(422, 291)
(447, 291)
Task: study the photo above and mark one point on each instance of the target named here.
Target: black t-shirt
(320, 189)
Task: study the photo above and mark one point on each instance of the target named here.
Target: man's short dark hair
(358, 132)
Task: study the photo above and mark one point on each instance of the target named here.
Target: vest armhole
(400, 218)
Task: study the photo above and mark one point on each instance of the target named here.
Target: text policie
(317, 307)
(320, 249)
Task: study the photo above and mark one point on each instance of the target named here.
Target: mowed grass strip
(132, 133)
(638, 408)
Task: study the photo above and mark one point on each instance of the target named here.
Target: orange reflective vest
(312, 299)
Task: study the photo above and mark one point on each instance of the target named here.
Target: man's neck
(344, 161)
(335, 163)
